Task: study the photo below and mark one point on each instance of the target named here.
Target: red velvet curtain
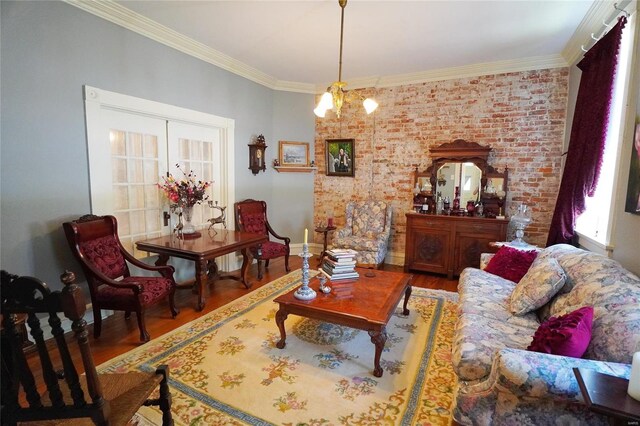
(588, 134)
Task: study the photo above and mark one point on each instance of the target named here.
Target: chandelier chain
(336, 95)
(342, 6)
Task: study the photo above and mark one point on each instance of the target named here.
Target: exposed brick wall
(520, 115)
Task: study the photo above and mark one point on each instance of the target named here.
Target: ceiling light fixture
(336, 96)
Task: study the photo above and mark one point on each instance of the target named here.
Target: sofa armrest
(484, 259)
(383, 237)
(533, 374)
(343, 232)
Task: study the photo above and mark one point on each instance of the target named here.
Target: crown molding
(120, 15)
(292, 86)
(475, 70)
(126, 18)
(593, 24)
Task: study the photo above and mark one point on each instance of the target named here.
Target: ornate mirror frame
(463, 151)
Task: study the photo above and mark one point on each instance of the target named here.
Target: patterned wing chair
(366, 231)
(251, 216)
(95, 244)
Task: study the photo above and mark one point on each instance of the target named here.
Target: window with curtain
(594, 225)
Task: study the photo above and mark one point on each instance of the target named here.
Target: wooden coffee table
(374, 300)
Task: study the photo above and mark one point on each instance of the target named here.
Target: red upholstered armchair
(94, 242)
(251, 216)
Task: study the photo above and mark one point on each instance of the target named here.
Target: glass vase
(187, 216)
(520, 220)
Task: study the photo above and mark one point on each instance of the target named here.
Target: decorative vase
(520, 220)
(471, 207)
(187, 216)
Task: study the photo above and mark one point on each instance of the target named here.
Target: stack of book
(340, 264)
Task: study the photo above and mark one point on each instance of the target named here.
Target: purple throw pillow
(567, 335)
(510, 263)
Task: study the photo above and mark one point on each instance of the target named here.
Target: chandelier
(336, 95)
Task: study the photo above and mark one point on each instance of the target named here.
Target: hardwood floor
(120, 335)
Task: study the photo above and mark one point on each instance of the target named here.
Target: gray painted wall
(49, 51)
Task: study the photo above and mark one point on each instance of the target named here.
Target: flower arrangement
(185, 193)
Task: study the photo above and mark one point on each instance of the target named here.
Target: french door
(133, 143)
(196, 149)
(125, 170)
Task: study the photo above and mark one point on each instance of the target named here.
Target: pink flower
(186, 192)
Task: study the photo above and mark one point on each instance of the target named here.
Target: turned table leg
(378, 338)
(407, 294)
(162, 260)
(281, 315)
(201, 279)
(246, 261)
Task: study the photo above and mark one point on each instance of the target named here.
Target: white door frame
(97, 100)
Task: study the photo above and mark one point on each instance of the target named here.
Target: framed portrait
(340, 157)
(294, 154)
(632, 204)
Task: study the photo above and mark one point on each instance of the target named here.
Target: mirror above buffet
(460, 182)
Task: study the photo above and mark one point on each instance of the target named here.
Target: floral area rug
(226, 370)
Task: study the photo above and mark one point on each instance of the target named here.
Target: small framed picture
(340, 157)
(294, 154)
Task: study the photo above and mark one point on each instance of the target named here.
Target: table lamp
(520, 220)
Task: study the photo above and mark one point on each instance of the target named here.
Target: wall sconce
(441, 179)
(256, 155)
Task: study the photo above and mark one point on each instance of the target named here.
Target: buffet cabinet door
(448, 244)
(428, 246)
(474, 238)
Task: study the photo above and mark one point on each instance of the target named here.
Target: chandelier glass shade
(336, 95)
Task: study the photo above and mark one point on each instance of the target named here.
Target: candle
(306, 235)
(634, 378)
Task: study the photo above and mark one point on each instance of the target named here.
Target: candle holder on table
(305, 292)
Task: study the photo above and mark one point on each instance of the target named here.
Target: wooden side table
(607, 395)
(325, 230)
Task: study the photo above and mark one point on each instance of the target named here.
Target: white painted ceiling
(298, 41)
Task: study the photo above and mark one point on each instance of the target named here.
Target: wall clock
(256, 155)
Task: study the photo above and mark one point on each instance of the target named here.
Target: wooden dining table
(204, 250)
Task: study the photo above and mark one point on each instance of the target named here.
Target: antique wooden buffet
(448, 244)
(448, 240)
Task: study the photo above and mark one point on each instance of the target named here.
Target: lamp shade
(369, 105)
(319, 111)
(326, 101)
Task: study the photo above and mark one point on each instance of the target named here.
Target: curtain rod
(621, 8)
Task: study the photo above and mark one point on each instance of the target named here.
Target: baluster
(70, 373)
(22, 372)
(19, 369)
(74, 307)
(48, 371)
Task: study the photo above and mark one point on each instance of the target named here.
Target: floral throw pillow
(510, 263)
(542, 281)
(567, 335)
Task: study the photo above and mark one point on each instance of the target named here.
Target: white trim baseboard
(66, 322)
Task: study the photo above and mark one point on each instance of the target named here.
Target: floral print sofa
(500, 382)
